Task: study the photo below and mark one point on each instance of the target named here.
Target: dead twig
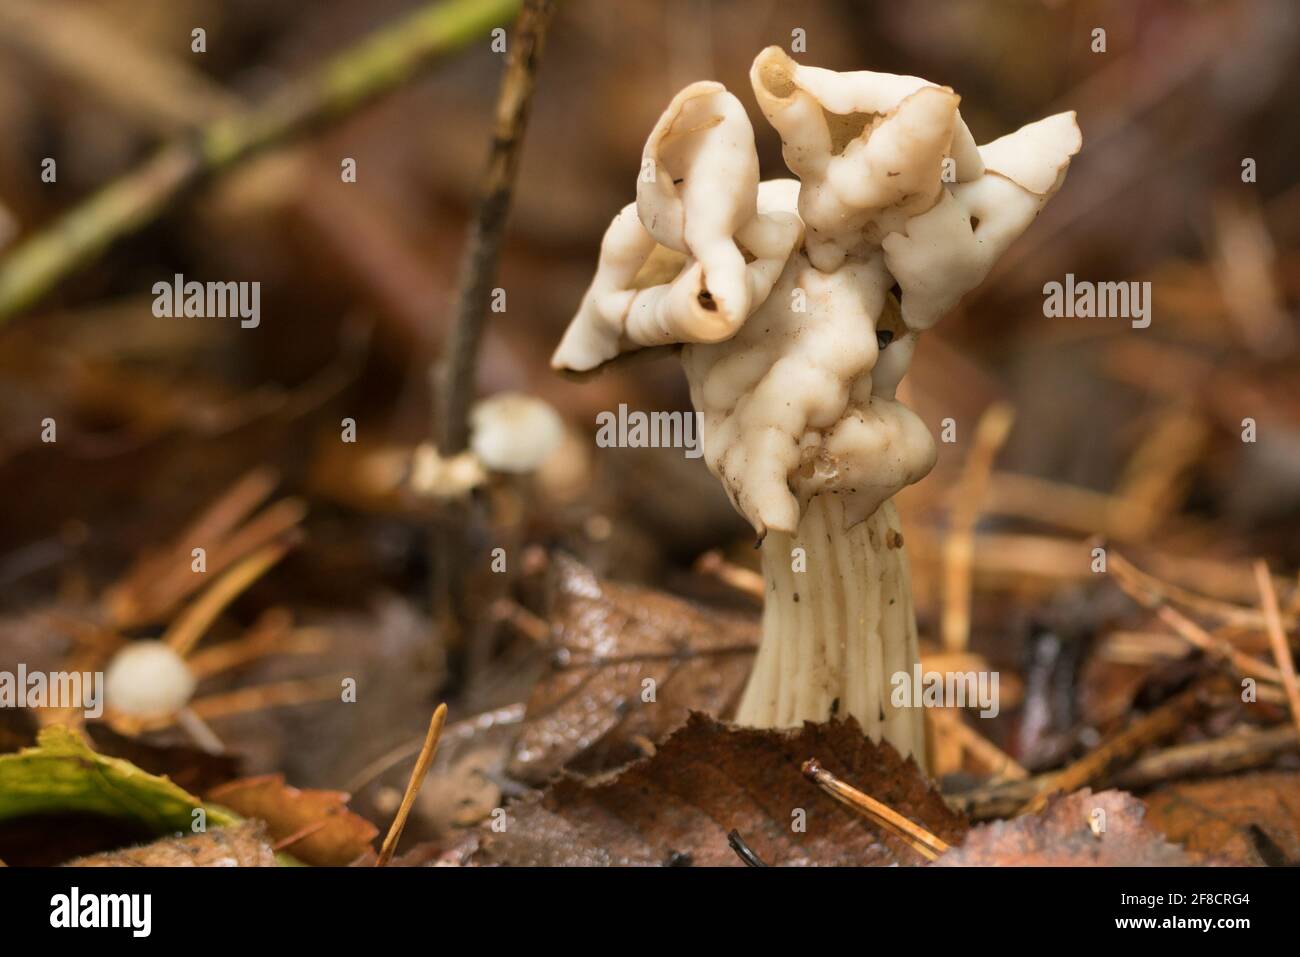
(959, 547)
(985, 753)
(272, 634)
(454, 375)
(1120, 747)
(1215, 608)
(928, 845)
(1238, 751)
(1276, 635)
(413, 786)
(1234, 752)
(479, 267)
(744, 851)
(744, 580)
(160, 580)
(1138, 587)
(190, 626)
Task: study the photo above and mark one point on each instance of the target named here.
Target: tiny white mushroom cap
(148, 678)
(513, 432)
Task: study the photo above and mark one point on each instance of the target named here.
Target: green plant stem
(376, 65)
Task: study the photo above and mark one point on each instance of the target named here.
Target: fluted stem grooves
(835, 633)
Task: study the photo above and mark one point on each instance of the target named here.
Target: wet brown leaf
(241, 845)
(329, 835)
(190, 768)
(709, 778)
(1249, 819)
(1063, 836)
(615, 645)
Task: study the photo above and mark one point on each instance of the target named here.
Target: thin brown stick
(928, 845)
(479, 268)
(259, 697)
(1120, 747)
(1140, 588)
(744, 580)
(1060, 504)
(1247, 666)
(1276, 635)
(413, 786)
(240, 701)
(230, 510)
(1216, 608)
(1154, 478)
(959, 547)
(271, 523)
(135, 596)
(1233, 752)
(987, 754)
(272, 634)
(454, 375)
(198, 617)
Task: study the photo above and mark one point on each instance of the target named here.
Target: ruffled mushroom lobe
(797, 305)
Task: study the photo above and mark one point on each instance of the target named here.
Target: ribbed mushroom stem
(835, 633)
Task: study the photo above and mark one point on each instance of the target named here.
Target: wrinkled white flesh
(790, 407)
(835, 634)
(778, 291)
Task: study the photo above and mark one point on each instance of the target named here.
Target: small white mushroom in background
(794, 344)
(513, 432)
(148, 678)
(445, 478)
(509, 432)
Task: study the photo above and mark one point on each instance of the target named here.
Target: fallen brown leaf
(1082, 829)
(241, 845)
(616, 646)
(190, 768)
(709, 778)
(314, 826)
(1249, 819)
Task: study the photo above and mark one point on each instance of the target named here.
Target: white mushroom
(513, 432)
(444, 479)
(794, 351)
(148, 678)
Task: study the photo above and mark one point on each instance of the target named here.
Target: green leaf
(62, 774)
